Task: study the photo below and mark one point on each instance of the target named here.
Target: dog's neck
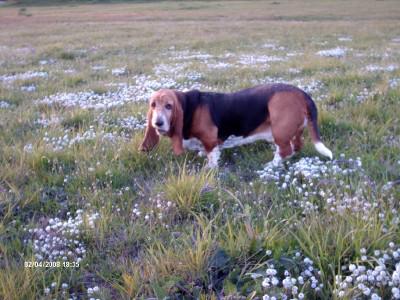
(192, 99)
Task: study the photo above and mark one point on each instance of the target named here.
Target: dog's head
(164, 117)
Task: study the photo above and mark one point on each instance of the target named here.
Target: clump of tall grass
(188, 190)
(332, 240)
(173, 268)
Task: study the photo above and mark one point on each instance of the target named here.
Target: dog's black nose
(159, 123)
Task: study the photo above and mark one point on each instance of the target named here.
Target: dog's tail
(313, 128)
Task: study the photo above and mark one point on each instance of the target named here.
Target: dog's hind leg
(284, 150)
(298, 141)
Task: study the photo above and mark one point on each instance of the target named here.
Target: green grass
(189, 191)
(168, 228)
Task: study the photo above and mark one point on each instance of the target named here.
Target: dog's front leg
(213, 157)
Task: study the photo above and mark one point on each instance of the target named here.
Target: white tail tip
(321, 148)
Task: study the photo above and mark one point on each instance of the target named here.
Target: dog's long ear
(151, 138)
(177, 123)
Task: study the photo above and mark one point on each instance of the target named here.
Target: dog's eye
(168, 106)
(153, 104)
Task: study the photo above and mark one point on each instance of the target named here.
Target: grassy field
(85, 215)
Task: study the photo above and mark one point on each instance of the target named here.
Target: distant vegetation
(71, 2)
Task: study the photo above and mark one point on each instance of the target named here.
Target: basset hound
(208, 122)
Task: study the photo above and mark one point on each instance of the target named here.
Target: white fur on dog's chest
(193, 144)
(232, 141)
